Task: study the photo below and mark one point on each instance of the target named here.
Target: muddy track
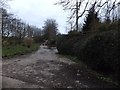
(46, 69)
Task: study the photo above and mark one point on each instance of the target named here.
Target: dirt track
(46, 69)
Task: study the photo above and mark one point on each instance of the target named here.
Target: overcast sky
(35, 12)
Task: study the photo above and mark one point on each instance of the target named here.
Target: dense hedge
(98, 50)
(65, 44)
(101, 52)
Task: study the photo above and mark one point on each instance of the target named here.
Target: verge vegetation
(11, 51)
(98, 50)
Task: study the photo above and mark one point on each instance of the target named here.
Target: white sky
(35, 12)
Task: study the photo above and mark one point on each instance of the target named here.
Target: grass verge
(96, 74)
(11, 51)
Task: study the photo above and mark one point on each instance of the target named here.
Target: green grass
(0, 51)
(103, 77)
(76, 60)
(11, 51)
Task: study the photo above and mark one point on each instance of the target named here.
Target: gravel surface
(46, 69)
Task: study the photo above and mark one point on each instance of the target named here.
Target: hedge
(98, 50)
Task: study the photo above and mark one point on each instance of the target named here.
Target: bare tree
(0, 34)
(80, 8)
(3, 3)
(50, 29)
(74, 6)
(15, 29)
(118, 9)
(6, 21)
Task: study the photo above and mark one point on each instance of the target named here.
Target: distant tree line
(14, 30)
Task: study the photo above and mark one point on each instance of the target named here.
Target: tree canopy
(79, 8)
(50, 29)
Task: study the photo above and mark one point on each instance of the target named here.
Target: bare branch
(84, 10)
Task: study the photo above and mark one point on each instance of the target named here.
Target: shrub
(51, 43)
(65, 43)
(5, 43)
(101, 52)
(28, 41)
(98, 50)
(68, 44)
(60, 41)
